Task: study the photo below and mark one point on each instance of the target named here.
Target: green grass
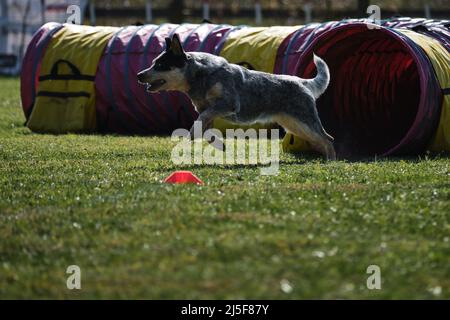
(99, 202)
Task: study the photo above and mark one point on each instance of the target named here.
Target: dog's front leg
(206, 119)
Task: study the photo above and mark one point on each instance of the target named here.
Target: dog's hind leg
(317, 137)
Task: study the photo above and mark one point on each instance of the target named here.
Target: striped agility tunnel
(389, 92)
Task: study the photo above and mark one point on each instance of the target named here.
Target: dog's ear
(168, 43)
(176, 46)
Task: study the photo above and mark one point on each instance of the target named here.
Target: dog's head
(167, 70)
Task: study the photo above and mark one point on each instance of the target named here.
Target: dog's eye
(161, 67)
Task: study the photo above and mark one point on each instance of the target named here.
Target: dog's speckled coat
(221, 89)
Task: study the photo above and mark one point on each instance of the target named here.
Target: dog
(221, 89)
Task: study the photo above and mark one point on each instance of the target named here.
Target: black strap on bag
(54, 75)
(74, 75)
(63, 94)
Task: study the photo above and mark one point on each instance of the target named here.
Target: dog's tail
(319, 84)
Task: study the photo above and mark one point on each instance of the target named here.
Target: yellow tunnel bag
(440, 58)
(65, 98)
(64, 102)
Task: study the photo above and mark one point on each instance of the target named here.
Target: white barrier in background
(20, 19)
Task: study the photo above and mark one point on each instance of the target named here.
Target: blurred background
(262, 12)
(19, 19)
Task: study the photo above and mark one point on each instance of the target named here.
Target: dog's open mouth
(155, 85)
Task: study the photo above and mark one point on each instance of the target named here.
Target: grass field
(310, 232)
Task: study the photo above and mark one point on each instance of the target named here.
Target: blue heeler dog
(221, 89)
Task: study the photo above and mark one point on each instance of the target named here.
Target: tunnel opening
(374, 93)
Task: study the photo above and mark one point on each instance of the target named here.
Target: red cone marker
(183, 177)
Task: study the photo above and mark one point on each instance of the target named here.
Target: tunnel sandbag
(384, 96)
(65, 99)
(440, 59)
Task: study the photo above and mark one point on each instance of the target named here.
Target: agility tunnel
(389, 87)
(389, 90)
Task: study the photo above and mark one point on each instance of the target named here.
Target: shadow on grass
(296, 158)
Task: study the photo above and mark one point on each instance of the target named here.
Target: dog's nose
(141, 76)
